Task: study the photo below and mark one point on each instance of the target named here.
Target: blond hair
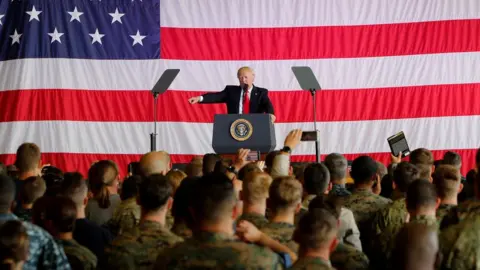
(242, 69)
(285, 192)
(175, 177)
(255, 187)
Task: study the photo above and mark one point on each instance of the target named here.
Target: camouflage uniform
(282, 232)
(125, 217)
(339, 191)
(138, 248)
(427, 220)
(385, 226)
(181, 229)
(307, 200)
(256, 219)
(364, 205)
(207, 250)
(307, 263)
(459, 213)
(459, 245)
(347, 257)
(78, 256)
(443, 210)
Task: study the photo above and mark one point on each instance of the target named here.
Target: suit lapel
(253, 99)
(237, 98)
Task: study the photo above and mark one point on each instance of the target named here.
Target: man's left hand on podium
(273, 118)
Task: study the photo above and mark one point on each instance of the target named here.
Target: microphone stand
(317, 143)
(153, 136)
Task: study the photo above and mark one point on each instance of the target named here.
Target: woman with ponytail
(103, 179)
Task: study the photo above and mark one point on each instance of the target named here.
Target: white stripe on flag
(195, 138)
(288, 13)
(413, 70)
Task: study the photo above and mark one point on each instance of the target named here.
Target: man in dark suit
(246, 98)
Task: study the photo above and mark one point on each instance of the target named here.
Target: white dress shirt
(240, 104)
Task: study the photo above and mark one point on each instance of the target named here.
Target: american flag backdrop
(75, 75)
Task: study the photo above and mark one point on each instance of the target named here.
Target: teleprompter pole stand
(313, 91)
(160, 87)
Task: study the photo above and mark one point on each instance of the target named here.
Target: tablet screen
(399, 146)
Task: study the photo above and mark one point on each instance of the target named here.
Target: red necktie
(246, 102)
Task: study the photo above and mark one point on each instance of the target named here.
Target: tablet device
(398, 143)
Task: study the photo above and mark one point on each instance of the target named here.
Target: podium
(250, 131)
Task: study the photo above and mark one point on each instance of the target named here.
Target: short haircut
(332, 204)
(416, 247)
(28, 157)
(316, 230)
(33, 188)
(53, 177)
(364, 168)
(154, 191)
(421, 194)
(447, 179)
(247, 169)
(175, 177)
(74, 187)
(255, 187)
(7, 193)
(154, 162)
(337, 165)
(421, 156)
(130, 187)
(452, 158)
(214, 199)
(195, 167)
(285, 192)
(404, 175)
(102, 174)
(316, 179)
(242, 69)
(62, 213)
(14, 242)
(209, 161)
(425, 171)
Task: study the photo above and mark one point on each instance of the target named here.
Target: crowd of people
(239, 214)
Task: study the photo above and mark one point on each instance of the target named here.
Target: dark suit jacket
(259, 101)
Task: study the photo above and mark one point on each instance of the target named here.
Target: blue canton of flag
(86, 29)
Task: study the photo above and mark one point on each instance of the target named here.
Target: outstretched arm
(218, 97)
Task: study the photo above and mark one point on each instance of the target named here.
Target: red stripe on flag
(290, 106)
(320, 42)
(81, 162)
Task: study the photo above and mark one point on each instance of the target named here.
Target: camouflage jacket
(256, 219)
(125, 217)
(443, 210)
(78, 256)
(346, 257)
(139, 247)
(208, 250)
(282, 232)
(181, 229)
(311, 263)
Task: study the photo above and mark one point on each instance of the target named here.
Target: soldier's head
(155, 195)
(328, 203)
(452, 158)
(175, 177)
(364, 171)
(209, 161)
(155, 163)
(337, 165)
(448, 182)
(316, 231)
(404, 175)
(75, 188)
(214, 202)
(416, 247)
(32, 189)
(7, 194)
(195, 167)
(422, 198)
(57, 215)
(103, 177)
(423, 159)
(28, 158)
(316, 179)
(285, 196)
(181, 200)
(255, 188)
(14, 245)
(247, 169)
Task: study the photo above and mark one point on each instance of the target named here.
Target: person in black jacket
(242, 99)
